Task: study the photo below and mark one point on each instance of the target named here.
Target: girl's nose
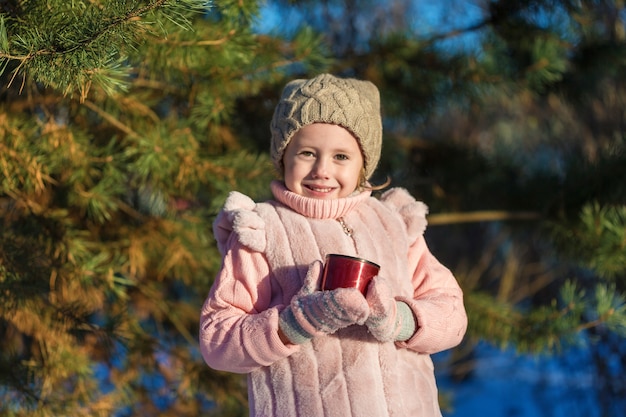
(320, 169)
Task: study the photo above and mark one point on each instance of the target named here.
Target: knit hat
(353, 104)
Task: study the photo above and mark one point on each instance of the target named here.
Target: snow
(505, 384)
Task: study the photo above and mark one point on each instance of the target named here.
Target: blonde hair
(365, 185)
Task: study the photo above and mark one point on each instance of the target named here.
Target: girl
(329, 353)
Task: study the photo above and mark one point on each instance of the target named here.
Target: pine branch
(78, 48)
(111, 119)
(205, 42)
(546, 328)
(54, 50)
(481, 216)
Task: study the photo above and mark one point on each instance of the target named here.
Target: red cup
(342, 271)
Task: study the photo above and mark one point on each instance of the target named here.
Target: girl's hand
(384, 322)
(381, 322)
(313, 313)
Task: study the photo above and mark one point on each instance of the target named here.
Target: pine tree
(119, 140)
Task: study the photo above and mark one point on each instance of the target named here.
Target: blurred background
(124, 125)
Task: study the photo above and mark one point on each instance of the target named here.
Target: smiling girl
(309, 352)
(323, 161)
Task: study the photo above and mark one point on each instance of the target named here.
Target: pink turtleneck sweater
(267, 248)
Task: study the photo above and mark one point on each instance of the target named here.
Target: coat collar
(317, 208)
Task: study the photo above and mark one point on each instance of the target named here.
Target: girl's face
(323, 161)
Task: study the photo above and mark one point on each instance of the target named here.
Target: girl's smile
(323, 161)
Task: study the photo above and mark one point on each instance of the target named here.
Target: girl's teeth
(318, 189)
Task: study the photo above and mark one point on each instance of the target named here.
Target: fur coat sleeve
(437, 301)
(238, 329)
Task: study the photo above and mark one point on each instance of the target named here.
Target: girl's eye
(306, 153)
(342, 157)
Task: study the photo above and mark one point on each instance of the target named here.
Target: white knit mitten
(389, 320)
(313, 313)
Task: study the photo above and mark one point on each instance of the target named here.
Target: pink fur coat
(266, 250)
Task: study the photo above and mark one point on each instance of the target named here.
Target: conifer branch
(207, 42)
(109, 118)
(481, 216)
(84, 42)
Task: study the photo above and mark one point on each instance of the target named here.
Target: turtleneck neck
(317, 208)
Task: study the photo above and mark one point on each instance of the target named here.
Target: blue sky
(427, 18)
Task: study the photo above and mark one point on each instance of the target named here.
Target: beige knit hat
(351, 103)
